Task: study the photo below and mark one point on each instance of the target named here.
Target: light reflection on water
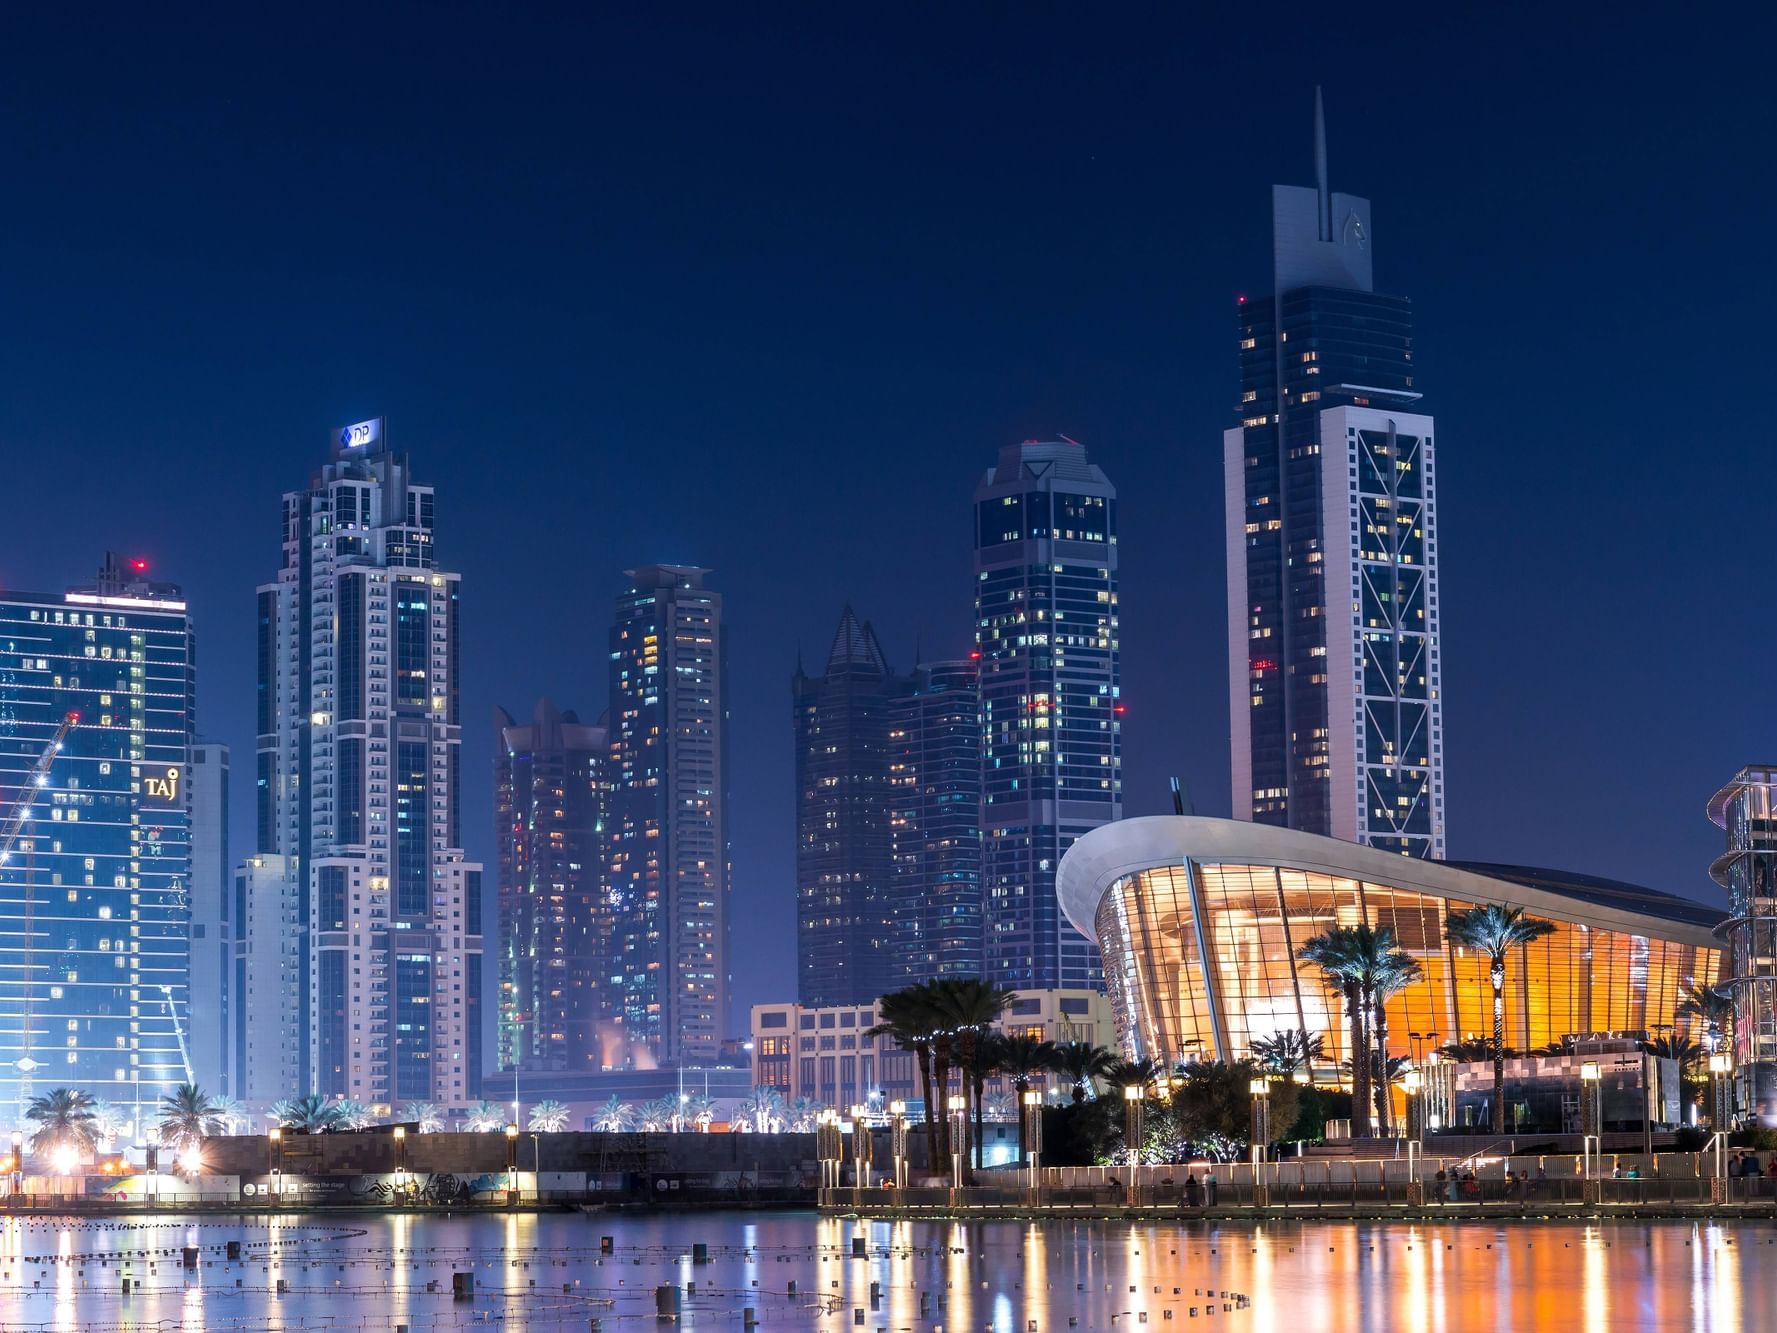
(347, 1272)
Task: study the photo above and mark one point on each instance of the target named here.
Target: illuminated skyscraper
(94, 913)
(374, 989)
(1332, 544)
(667, 832)
(555, 923)
(844, 840)
(213, 1038)
(1046, 628)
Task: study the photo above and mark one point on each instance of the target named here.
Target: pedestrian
(1441, 1178)
(1193, 1191)
(1209, 1187)
(1542, 1180)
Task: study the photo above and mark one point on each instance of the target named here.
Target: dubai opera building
(1199, 921)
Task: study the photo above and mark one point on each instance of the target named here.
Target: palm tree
(801, 1114)
(909, 1017)
(187, 1117)
(484, 1117)
(1470, 1051)
(312, 1114)
(659, 1115)
(1392, 972)
(1082, 1064)
(109, 1121)
(969, 1008)
(1712, 1009)
(1338, 953)
(548, 1117)
(231, 1112)
(1289, 1051)
(763, 1109)
(1022, 1058)
(614, 1116)
(1495, 930)
(64, 1119)
(352, 1115)
(1142, 1074)
(697, 1109)
(1686, 1052)
(426, 1115)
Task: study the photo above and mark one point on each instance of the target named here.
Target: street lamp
(898, 1141)
(959, 1153)
(1592, 1125)
(18, 1161)
(511, 1164)
(1721, 1066)
(1032, 1131)
(1134, 1116)
(1261, 1136)
(275, 1150)
(862, 1148)
(400, 1147)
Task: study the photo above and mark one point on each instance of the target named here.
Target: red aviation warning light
(139, 565)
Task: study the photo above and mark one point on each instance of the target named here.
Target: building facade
(845, 839)
(1046, 631)
(668, 838)
(826, 1055)
(1746, 810)
(359, 761)
(95, 912)
(555, 924)
(1333, 667)
(1200, 921)
(213, 1040)
(934, 777)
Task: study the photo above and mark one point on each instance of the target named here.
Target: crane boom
(37, 777)
(179, 1032)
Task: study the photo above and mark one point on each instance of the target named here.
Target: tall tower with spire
(1333, 654)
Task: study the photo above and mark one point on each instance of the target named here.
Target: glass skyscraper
(555, 923)
(1746, 811)
(1333, 672)
(94, 906)
(372, 990)
(934, 773)
(845, 849)
(1046, 629)
(667, 834)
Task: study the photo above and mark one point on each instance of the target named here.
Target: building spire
(1324, 217)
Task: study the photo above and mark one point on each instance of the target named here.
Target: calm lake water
(359, 1273)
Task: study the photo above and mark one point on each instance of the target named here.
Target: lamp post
(1721, 1111)
(1261, 1138)
(511, 1165)
(959, 1152)
(275, 1148)
(1134, 1117)
(862, 1150)
(1414, 1084)
(828, 1148)
(1592, 1125)
(898, 1141)
(151, 1157)
(18, 1161)
(1032, 1112)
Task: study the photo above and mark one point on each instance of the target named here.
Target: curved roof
(1112, 851)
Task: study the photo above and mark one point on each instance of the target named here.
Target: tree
(1212, 1106)
(548, 1117)
(1082, 1064)
(762, 1109)
(910, 1019)
(801, 1114)
(614, 1116)
(426, 1115)
(352, 1115)
(232, 1112)
(312, 1114)
(1290, 1051)
(1143, 1074)
(1712, 1010)
(969, 1008)
(188, 1117)
(1690, 1058)
(1389, 973)
(1470, 1051)
(696, 1109)
(109, 1121)
(65, 1119)
(484, 1117)
(1023, 1058)
(1495, 930)
(1338, 953)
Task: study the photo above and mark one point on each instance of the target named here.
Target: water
(346, 1272)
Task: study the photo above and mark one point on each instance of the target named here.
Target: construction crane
(179, 1032)
(37, 778)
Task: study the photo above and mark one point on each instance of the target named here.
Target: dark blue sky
(765, 289)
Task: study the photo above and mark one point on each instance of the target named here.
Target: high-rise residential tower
(844, 840)
(555, 925)
(94, 915)
(1332, 544)
(1746, 810)
(1046, 629)
(374, 988)
(213, 1039)
(667, 830)
(934, 772)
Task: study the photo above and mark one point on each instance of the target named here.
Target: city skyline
(1110, 324)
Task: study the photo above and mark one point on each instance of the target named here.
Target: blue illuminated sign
(361, 435)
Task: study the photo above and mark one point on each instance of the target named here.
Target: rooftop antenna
(1324, 216)
(1182, 804)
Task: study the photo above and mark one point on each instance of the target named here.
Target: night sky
(765, 288)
